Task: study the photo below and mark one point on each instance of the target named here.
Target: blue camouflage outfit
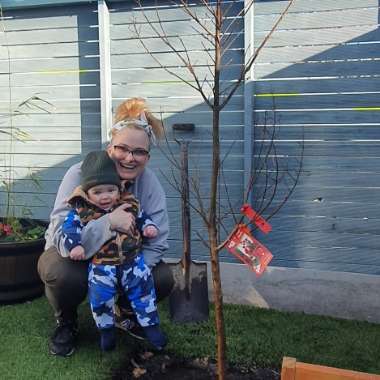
(135, 279)
(119, 266)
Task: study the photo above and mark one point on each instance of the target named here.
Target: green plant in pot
(21, 236)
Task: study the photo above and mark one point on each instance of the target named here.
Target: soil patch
(148, 366)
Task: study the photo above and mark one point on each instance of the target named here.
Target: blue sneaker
(156, 337)
(107, 339)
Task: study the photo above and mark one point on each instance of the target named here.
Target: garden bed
(146, 365)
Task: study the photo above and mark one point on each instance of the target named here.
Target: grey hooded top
(152, 198)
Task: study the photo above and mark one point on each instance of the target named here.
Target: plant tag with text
(249, 250)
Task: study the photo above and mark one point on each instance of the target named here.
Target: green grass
(254, 337)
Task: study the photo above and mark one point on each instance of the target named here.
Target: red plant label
(257, 219)
(249, 250)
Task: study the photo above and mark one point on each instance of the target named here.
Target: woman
(134, 131)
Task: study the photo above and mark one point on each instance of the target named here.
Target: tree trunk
(212, 226)
(218, 304)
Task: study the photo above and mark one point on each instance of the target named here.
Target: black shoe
(107, 339)
(62, 343)
(131, 326)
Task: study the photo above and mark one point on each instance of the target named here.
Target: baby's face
(104, 196)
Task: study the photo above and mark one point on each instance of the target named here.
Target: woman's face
(129, 149)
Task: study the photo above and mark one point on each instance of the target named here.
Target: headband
(142, 123)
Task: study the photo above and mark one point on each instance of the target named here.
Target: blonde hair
(132, 109)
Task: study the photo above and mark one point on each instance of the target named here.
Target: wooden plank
(172, 104)
(330, 180)
(327, 148)
(322, 194)
(126, 44)
(73, 77)
(323, 116)
(327, 19)
(318, 36)
(233, 190)
(226, 118)
(52, 93)
(233, 162)
(52, 36)
(105, 71)
(50, 50)
(126, 12)
(56, 66)
(165, 89)
(52, 134)
(317, 101)
(269, 7)
(172, 28)
(317, 70)
(201, 151)
(197, 58)
(338, 244)
(339, 209)
(56, 119)
(339, 267)
(204, 132)
(324, 132)
(195, 175)
(353, 164)
(42, 213)
(19, 172)
(317, 53)
(27, 200)
(296, 370)
(328, 256)
(29, 186)
(288, 369)
(338, 224)
(68, 106)
(157, 75)
(314, 86)
(317, 372)
(17, 4)
(36, 147)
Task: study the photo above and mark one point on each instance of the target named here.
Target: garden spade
(188, 302)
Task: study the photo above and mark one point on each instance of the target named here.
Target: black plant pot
(19, 279)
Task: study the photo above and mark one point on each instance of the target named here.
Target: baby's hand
(77, 253)
(150, 232)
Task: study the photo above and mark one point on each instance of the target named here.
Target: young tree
(213, 28)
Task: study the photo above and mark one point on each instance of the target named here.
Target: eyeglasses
(137, 154)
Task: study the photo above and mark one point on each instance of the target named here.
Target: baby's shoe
(156, 337)
(107, 339)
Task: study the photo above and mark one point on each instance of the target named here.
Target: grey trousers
(66, 283)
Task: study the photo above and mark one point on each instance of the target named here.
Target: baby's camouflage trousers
(135, 279)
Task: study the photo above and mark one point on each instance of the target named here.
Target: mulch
(146, 365)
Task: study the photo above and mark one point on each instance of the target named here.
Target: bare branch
(201, 238)
(196, 19)
(248, 66)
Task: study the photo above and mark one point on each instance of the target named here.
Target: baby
(119, 264)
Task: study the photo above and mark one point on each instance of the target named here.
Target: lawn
(254, 337)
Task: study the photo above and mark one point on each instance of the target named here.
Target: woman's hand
(122, 220)
(77, 253)
(150, 231)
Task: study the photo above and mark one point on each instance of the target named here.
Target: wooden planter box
(293, 370)
(19, 279)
